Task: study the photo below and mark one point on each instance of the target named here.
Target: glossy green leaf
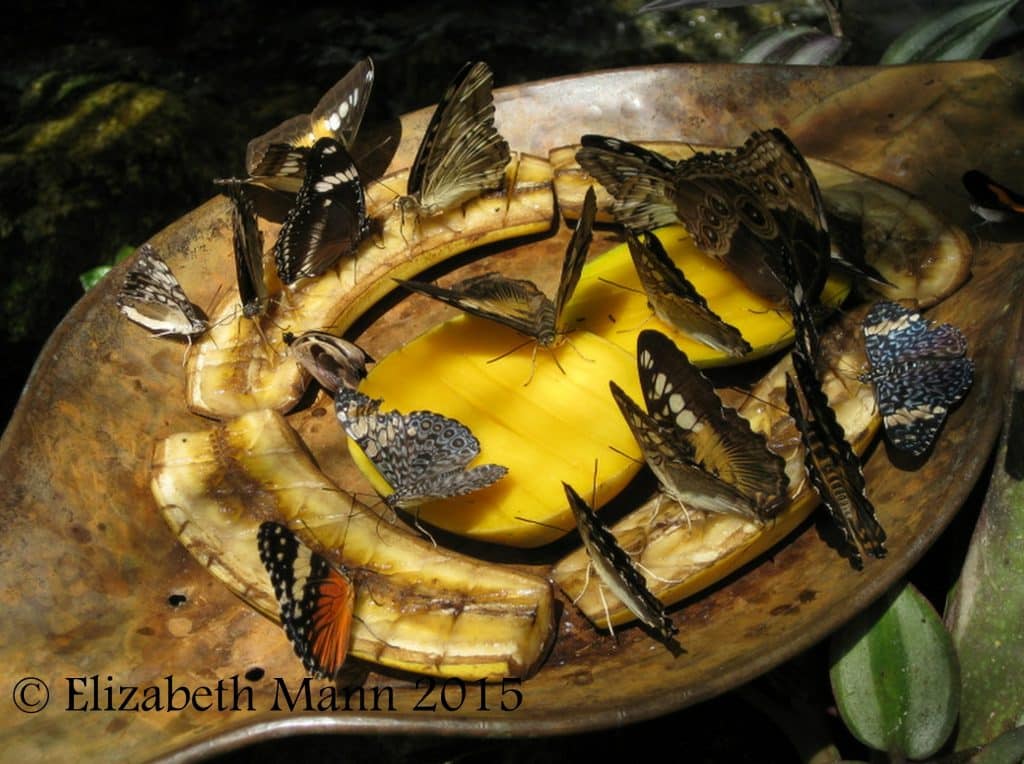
(895, 676)
(93, 276)
(961, 33)
(796, 45)
(986, 610)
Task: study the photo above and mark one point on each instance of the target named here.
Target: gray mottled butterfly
(919, 370)
(617, 570)
(152, 297)
(423, 456)
(705, 455)
(462, 154)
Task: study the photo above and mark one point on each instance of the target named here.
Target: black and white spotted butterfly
(247, 242)
(618, 571)
(152, 297)
(277, 159)
(919, 370)
(518, 303)
(316, 599)
(423, 456)
(328, 219)
(462, 154)
(704, 454)
(676, 301)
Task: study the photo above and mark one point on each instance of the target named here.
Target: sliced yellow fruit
(562, 423)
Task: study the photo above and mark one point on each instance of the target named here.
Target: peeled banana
(418, 607)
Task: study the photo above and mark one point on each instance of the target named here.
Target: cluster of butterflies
(461, 156)
(758, 209)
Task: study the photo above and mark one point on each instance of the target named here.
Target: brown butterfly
(277, 159)
(518, 303)
(676, 301)
(704, 454)
(750, 208)
(248, 250)
(333, 362)
(462, 154)
(618, 571)
(152, 297)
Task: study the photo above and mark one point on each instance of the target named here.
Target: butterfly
(277, 159)
(423, 456)
(328, 219)
(991, 200)
(152, 297)
(617, 569)
(462, 154)
(248, 249)
(919, 371)
(334, 363)
(704, 454)
(749, 208)
(676, 301)
(518, 303)
(316, 599)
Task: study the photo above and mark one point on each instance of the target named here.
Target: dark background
(116, 117)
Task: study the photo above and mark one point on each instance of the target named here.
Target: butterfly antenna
(573, 346)
(510, 352)
(619, 285)
(624, 455)
(531, 521)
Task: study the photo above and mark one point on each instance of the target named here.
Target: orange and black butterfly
(991, 200)
(316, 599)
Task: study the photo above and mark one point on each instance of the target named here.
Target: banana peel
(243, 365)
(418, 607)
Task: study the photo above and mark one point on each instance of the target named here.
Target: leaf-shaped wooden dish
(95, 585)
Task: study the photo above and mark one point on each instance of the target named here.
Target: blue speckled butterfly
(328, 219)
(422, 455)
(316, 599)
(919, 370)
(616, 568)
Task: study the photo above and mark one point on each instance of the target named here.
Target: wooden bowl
(94, 580)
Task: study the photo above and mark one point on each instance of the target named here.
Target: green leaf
(93, 276)
(895, 676)
(961, 33)
(985, 613)
(797, 45)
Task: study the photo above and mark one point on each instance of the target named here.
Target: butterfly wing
(248, 250)
(991, 200)
(721, 441)
(316, 600)
(334, 363)
(617, 570)
(640, 180)
(338, 115)
(328, 219)
(576, 253)
(919, 370)
(152, 297)
(516, 303)
(676, 301)
(462, 154)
